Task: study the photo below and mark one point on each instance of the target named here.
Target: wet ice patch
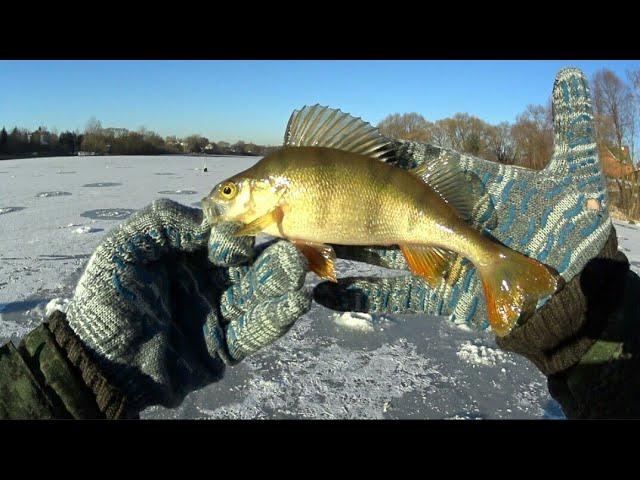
(64, 173)
(479, 354)
(108, 213)
(4, 210)
(102, 184)
(56, 304)
(164, 173)
(178, 192)
(56, 193)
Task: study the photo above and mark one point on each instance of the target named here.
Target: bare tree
(408, 126)
(440, 134)
(634, 80)
(501, 147)
(533, 136)
(614, 105)
(465, 133)
(196, 143)
(93, 126)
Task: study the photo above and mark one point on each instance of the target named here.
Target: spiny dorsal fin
(431, 263)
(444, 175)
(319, 126)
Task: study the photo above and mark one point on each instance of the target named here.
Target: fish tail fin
(513, 284)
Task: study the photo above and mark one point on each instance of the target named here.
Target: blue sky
(252, 100)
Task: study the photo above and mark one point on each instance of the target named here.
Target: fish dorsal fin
(445, 176)
(431, 263)
(318, 126)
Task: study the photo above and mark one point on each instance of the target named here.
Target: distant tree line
(22, 142)
(115, 141)
(528, 141)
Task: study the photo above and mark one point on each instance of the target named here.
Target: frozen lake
(55, 211)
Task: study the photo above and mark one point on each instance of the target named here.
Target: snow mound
(355, 321)
(56, 304)
(84, 229)
(481, 355)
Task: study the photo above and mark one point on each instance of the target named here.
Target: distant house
(612, 166)
(210, 147)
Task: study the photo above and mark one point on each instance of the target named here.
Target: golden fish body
(338, 197)
(316, 196)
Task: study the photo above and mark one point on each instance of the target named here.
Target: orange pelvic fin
(259, 224)
(431, 263)
(512, 285)
(321, 258)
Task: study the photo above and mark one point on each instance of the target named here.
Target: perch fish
(332, 183)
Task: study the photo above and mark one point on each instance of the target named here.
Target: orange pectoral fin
(321, 258)
(431, 263)
(259, 224)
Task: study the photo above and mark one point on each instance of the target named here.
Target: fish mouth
(211, 211)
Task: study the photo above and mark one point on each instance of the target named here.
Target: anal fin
(259, 224)
(321, 258)
(431, 263)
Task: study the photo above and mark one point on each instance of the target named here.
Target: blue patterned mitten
(558, 216)
(165, 302)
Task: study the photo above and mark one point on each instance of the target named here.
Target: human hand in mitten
(166, 301)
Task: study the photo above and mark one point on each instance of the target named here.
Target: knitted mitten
(165, 301)
(558, 216)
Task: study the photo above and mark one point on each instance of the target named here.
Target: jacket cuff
(111, 402)
(560, 333)
(55, 362)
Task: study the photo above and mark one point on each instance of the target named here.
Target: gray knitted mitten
(543, 214)
(165, 301)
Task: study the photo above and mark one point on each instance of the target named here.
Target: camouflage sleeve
(586, 339)
(50, 375)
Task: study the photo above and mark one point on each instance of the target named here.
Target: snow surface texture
(54, 213)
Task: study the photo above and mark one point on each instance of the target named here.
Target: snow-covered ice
(54, 213)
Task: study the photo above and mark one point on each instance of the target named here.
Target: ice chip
(355, 321)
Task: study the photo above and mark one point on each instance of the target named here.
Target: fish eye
(228, 190)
